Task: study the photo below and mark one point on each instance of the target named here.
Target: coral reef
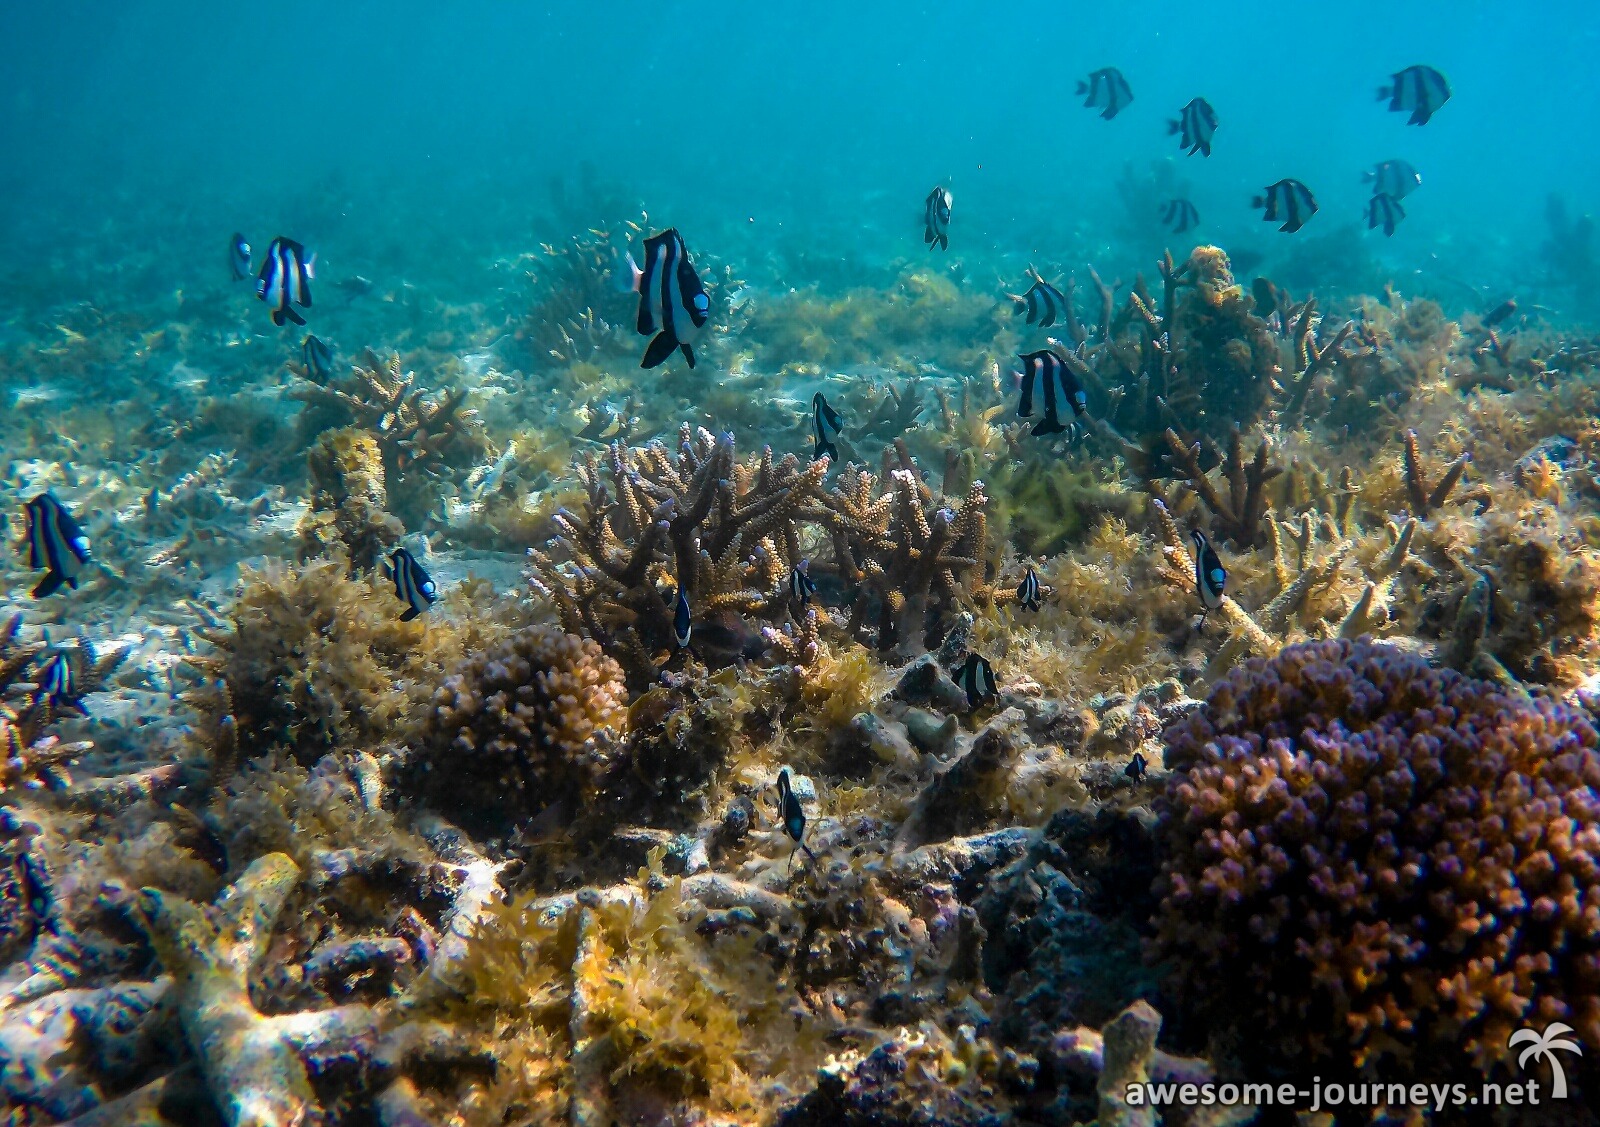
(532, 721)
(1401, 856)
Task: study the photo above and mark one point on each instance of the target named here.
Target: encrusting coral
(1403, 858)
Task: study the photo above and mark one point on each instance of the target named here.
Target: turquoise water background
(795, 139)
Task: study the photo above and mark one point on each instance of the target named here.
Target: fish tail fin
(944, 242)
(826, 450)
(293, 316)
(277, 317)
(411, 612)
(1385, 93)
(688, 354)
(49, 585)
(1083, 87)
(1050, 424)
(661, 347)
(1174, 127)
(1258, 201)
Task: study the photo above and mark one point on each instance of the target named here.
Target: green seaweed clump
(319, 660)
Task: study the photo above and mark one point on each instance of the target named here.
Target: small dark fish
(412, 584)
(801, 585)
(1288, 201)
(825, 425)
(1197, 123)
(1210, 579)
(936, 217)
(1107, 92)
(605, 423)
(57, 681)
(1136, 768)
(682, 626)
(318, 359)
(56, 545)
(673, 306)
(1180, 216)
(1393, 178)
(794, 817)
(1417, 90)
(976, 679)
(1045, 372)
(1499, 313)
(1043, 303)
(1384, 211)
(1028, 591)
(239, 257)
(285, 280)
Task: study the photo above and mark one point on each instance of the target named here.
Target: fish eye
(701, 302)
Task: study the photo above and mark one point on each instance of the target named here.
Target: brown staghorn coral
(1403, 858)
(348, 507)
(723, 530)
(532, 721)
(421, 436)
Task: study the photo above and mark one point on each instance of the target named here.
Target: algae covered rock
(349, 500)
(527, 723)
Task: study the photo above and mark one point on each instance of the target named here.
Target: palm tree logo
(1543, 1046)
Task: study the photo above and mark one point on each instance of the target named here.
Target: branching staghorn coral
(724, 531)
(1403, 853)
(421, 436)
(1238, 516)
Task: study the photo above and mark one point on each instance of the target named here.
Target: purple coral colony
(965, 707)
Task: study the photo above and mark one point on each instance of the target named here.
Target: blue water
(424, 136)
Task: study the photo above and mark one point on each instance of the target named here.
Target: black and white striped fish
(682, 624)
(1179, 216)
(56, 545)
(1197, 122)
(285, 280)
(825, 426)
(1136, 768)
(1417, 90)
(318, 359)
(1045, 374)
(1289, 202)
(1107, 92)
(1393, 178)
(673, 305)
(801, 585)
(936, 217)
(239, 257)
(1028, 596)
(1043, 303)
(975, 677)
(1384, 211)
(57, 682)
(1210, 579)
(413, 585)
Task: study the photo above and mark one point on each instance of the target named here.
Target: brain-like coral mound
(1369, 857)
(528, 722)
